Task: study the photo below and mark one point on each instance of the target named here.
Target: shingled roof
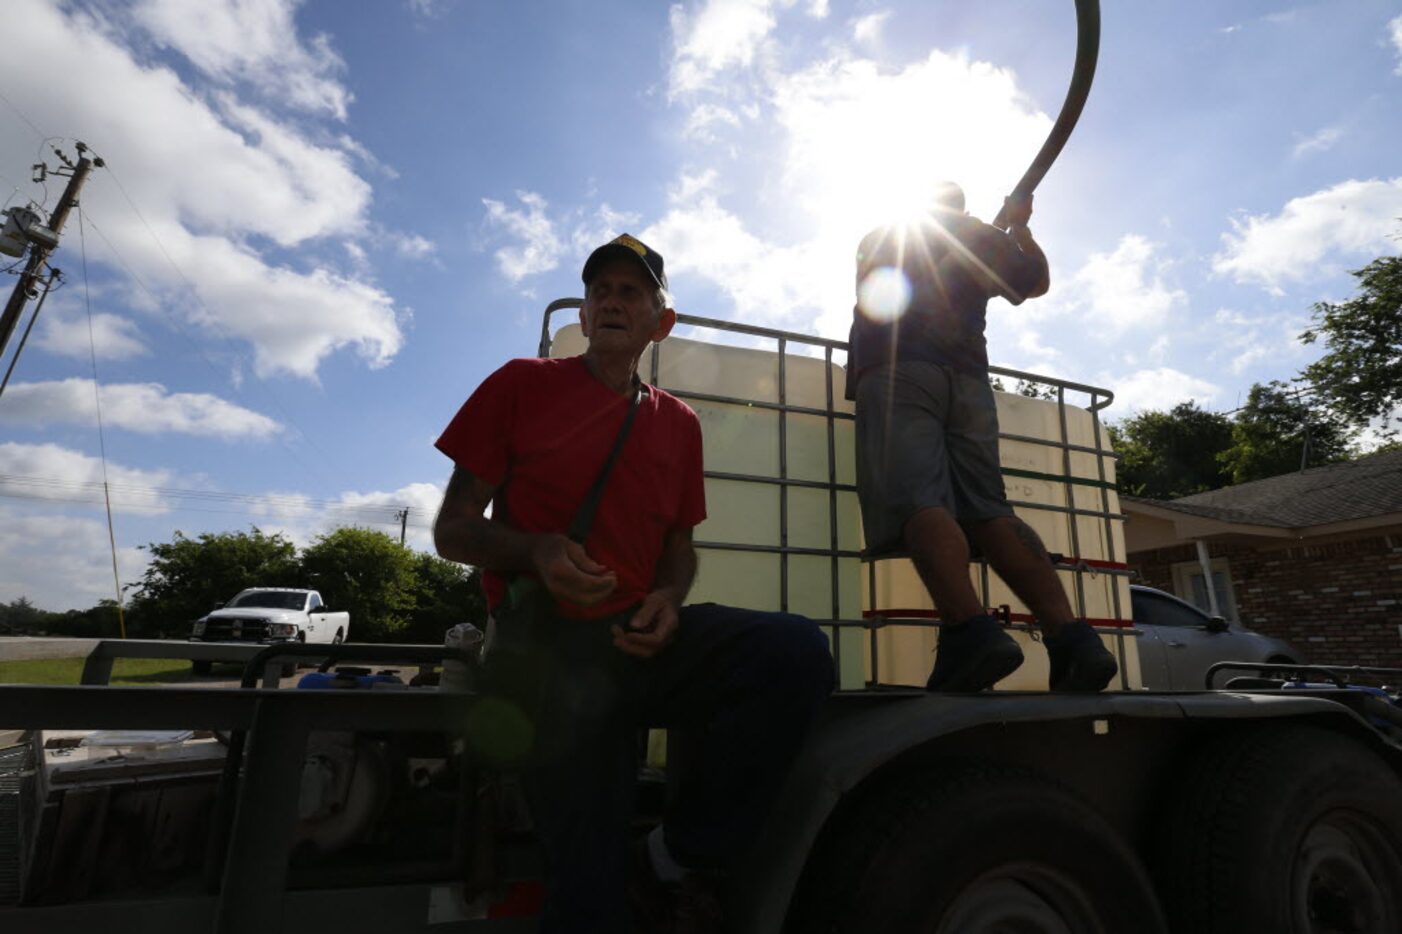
(1360, 489)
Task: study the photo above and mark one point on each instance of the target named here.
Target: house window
(1190, 584)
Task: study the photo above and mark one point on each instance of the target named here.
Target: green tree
(445, 594)
(187, 576)
(367, 574)
(21, 617)
(1360, 374)
(96, 622)
(1164, 455)
(1270, 433)
(1025, 387)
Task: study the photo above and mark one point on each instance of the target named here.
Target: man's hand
(652, 627)
(567, 571)
(1017, 211)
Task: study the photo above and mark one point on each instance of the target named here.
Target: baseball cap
(627, 245)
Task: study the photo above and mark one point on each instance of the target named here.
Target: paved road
(17, 648)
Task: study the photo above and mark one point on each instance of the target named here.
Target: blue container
(346, 679)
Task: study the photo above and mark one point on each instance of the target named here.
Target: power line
(208, 313)
(23, 116)
(58, 489)
(93, 497)
(101, 436)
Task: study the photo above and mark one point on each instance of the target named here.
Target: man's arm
(654, 625)
(1022, 236)
(1019, 213)
(463, 533)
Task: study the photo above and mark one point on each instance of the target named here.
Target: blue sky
(325, 223)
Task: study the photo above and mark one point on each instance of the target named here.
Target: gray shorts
(927, 436)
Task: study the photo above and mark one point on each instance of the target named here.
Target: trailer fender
(864, 735)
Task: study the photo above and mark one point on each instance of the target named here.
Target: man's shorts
(927, 435)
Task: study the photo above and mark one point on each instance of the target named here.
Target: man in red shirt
(592, 641)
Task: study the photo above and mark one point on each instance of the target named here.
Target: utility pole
(403, 517)
(42, 240)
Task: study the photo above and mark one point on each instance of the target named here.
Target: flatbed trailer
(1273, 808)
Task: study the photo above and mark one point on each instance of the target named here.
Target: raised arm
(1018, 214)
(462, 532)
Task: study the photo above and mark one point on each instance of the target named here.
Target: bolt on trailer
(1272, 806)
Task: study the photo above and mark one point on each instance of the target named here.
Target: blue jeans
(741, 686)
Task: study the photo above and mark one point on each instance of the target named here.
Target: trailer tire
(1291, 829)
(975, 849)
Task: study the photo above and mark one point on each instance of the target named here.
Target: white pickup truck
(271, 614)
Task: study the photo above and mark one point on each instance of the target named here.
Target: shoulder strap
(584, 519)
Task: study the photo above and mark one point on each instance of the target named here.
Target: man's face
(619, 314)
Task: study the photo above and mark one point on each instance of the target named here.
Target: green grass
(124, 671)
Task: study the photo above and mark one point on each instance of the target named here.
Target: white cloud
(428, 9)
(766, 283)
(704, 120)
(1353, 218)
(1249, 357)
(849, 158)
(144, 408)
(867, 30)
(413, 246)
(1321, 141)
(1246, 340)
(603, 226)
(60, 562)
(52, 472)
(1122, 289)
(254, 41)
(297, 517)
(723, 34)
(357, 149)
(1159, 389)
(231, 180)
(540, 247)
(1394, 28)
(858, 159)
(64, 331)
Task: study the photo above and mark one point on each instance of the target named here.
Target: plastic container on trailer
(783, 529)
(350, 679)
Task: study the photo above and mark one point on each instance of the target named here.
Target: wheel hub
(1020, 899)
(1336, 884)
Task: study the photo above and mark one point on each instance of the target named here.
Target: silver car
(1180, 642)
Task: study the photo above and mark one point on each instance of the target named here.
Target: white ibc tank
(739, 543)
(1043, 482)
(784, 526)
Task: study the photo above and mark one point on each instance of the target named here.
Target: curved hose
(1087, 51)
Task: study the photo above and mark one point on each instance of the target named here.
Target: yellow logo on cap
(635, 245)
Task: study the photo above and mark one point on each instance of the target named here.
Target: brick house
(1313, 557)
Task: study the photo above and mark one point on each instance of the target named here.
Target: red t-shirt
(545, 428)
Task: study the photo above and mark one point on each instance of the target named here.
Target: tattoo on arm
(463, 533)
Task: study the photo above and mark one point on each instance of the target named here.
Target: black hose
(1087, 51)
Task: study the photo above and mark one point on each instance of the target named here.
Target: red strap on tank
(905, 613)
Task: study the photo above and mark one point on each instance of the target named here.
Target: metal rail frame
(1099, 399)
(255, 813)
(97, 669)
(254, 874)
